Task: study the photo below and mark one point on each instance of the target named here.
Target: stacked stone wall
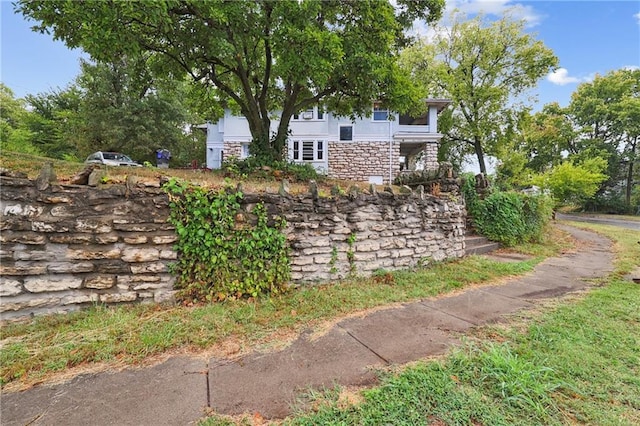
(360, 160)
(430, 156)
(70, 246)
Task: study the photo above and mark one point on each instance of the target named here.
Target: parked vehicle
(111, 159)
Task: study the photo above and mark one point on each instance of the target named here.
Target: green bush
(222, 252)
(506, 216)
(257, 169)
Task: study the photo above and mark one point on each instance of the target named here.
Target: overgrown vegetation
(262, 168)
(221, 253)
(508, 217)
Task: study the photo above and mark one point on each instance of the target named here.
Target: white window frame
(377, 108)
(310, 114)
(297, 150)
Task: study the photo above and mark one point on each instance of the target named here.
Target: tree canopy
(260, 56)
(483, 67)
(606, 112)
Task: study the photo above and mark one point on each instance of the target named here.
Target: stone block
(364, 257)
(30, 303)
(149, 286)
(301, 260)
(62, 211)
(80, 299)
(145, 268)
(93, 225)
(130, 296)
(71, 238)
(30, 238)
(367, 245)
(140, 255)
(168, 255)
(112, 266)
(164, 239)
(137, 239)
(48, 227)
(9, 287)
(23, 269)
(52, 283)
(130, 279)
(22, 210)
(107, 238)
(100, 282)
(70, 267)
(93, 254)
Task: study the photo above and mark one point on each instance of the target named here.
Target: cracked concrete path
(178, 391)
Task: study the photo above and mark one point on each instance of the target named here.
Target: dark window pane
(346, 133)
(407, 120)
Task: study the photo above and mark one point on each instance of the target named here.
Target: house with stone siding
(371, 149)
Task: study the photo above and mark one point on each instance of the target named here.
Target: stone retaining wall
(70, 246)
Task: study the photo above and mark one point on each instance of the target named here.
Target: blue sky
(589, 38)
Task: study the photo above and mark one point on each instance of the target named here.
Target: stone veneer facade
(69, 246)
(360, 160)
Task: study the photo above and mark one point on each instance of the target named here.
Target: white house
(371, 149)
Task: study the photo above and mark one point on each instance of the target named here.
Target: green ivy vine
(222, 251)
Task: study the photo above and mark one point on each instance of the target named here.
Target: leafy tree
(574, 183)
(14, 132)
(483, 67)
(607, 112)
(548, 137)
(127, 109)
(54, 122)
(260, 56)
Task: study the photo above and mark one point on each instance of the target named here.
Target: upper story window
(346, 132)
(315, 113)
(408, 120)
(380, 113)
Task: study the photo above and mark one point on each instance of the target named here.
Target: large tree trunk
(477, 145)
(632, 159)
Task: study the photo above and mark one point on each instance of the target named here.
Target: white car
(111, 159)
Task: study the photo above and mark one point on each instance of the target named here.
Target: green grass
(32, 352)
(576, 362)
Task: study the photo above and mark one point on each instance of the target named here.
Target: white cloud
(631, 67)
(497, 8)
(637, 16)
(561, 77)
(469, 8)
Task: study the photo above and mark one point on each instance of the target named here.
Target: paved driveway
(612, 220)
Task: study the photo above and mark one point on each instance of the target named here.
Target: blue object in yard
(162, 158)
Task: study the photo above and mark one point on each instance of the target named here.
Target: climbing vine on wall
(222, 251)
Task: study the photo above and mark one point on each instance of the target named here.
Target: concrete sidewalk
(178, 391)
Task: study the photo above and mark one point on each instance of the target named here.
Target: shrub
(506, 216)
(255, 168)
(221, 253)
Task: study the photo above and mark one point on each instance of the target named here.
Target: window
(307, 150)
(315, 113)
(244, 151)
(346, 133)
(380, 113)
(407, 120)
